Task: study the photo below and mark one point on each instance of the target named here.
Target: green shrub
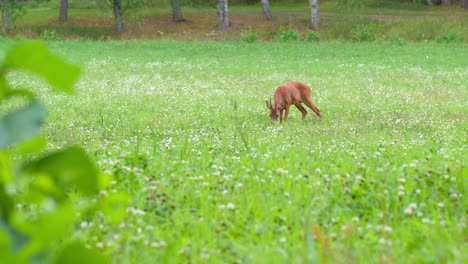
(362, 34)
(288, 34)
(396, 40)
(450, 37)
(50, 35)
(312, 36)
(249, 36)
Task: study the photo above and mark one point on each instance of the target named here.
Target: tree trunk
(176, 11)
(223, 19)
(63, 16)
(119, 26)
(429, 2)
(5, 16)
(446, 3)
(314, 14)
(464, 4)
(266, 9)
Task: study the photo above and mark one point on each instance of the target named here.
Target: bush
(312, 36)
(396, 40)
(288, 34)
(50, 35)
(451, 37)
(362, 34)
(249, 36)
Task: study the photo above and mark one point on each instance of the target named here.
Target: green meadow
(185, 132)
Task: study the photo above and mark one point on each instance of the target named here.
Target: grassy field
(184, 128)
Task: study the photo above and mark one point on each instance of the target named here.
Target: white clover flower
(230, 206)
(84, 224)
(280, 171)
(408, 211)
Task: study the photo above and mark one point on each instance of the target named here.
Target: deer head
(274, 112)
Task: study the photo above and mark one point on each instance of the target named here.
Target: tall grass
(184, 129)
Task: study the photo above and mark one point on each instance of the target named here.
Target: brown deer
(291, 93)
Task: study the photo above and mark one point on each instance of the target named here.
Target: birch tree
(63, 15)
(314, 14)
(6, 23)
(223, 19)
(464, 4)
(446, 2)
(117, 9)
(176, 11)
(266, 9)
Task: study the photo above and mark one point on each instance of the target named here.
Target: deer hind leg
(302, 109)
(309, 103)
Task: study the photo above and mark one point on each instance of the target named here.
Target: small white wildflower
(100, 245)
(388, 229)
(84, 224)
(230, 206)
(408, 211)
(280, 171)
(382, 241)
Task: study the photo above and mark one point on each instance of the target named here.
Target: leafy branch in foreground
(45, 181)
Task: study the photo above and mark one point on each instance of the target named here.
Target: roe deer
(291, 93)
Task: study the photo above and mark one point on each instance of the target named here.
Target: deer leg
(309, 103)
(302, 109)
(281, 116)
(287, 112)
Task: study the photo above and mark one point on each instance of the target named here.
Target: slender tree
(117, 9)
(266, 9)
(464, 4)
(446, 2)
(176, 11)
(429, 2)
(63, 16)
(6, 23)
(223, 17)
(314, 14)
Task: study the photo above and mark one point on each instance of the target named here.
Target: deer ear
(268, 104)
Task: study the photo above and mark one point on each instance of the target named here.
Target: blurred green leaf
(6, 204)
(48, 227)
(34, 56)
(114, 207)
(32, 145)
(6, 174)
(70, 167)
(22, 123)
(46, 185)
(11, 241)
(76, 253)
(5, 247)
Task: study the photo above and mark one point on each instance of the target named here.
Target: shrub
(312, 36)
(396, 40)
(249, 36)
(362, 34)
(50, 35)
(450, 37)
(288, 34)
